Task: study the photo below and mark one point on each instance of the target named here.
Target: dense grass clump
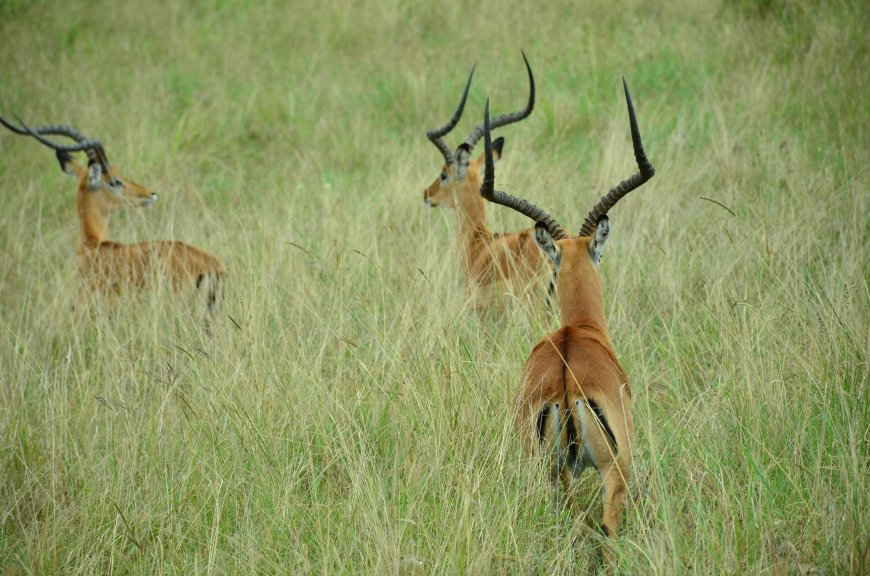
(350, 412)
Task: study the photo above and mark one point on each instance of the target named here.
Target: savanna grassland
(350, 412)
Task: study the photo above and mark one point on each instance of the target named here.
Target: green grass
(358, 418)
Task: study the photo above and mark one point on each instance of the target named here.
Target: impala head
(463, 176)
(105, 189)
(575, 258)
(109, 191)
(461, 173)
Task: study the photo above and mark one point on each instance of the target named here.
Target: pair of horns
(645, 172)
(90, 146)
(436, 135)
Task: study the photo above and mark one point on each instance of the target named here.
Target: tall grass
(351, 413)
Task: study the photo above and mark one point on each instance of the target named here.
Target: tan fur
(570, 367)
(488, 258)
(111, 267)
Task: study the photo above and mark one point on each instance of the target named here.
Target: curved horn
(488, 191)
(53, 129)
(506, 119)
(436, 134)
(93, 147)
(645, 172)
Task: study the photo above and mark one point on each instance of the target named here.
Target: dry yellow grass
(356, 420)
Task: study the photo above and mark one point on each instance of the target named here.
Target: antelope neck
(584, 312)
(471, 215)
(94, 225)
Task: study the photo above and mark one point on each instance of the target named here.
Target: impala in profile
(574, 403)
(110, 267)
(487, 257)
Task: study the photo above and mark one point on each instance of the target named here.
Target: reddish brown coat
(112, 267)
(574, 402)
(488, 258)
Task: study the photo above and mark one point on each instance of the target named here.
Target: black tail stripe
(599, 413)
(542, 422)
(571, 431)
(572, 434)
(199, 280)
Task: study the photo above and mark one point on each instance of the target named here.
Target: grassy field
(351, 413)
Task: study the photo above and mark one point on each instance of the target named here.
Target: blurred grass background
(357, 418)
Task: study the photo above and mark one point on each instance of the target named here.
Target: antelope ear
(463, 156)
(602, 233)
(546, 244)
(497, 146)
(95, 176)
(69, 165)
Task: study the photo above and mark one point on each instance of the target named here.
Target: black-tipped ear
(68, 164)
(545, 243)
(602, 233)
(463, 154)
(463, 157)
(64, 158)
(497, 145)
(95, 175)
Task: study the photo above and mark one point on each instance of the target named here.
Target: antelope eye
(443, 176)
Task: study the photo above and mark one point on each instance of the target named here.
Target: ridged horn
(506, 119)
(645, 171)
(436, 135)
(51, 129)
(92, 147)
(488, 191)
